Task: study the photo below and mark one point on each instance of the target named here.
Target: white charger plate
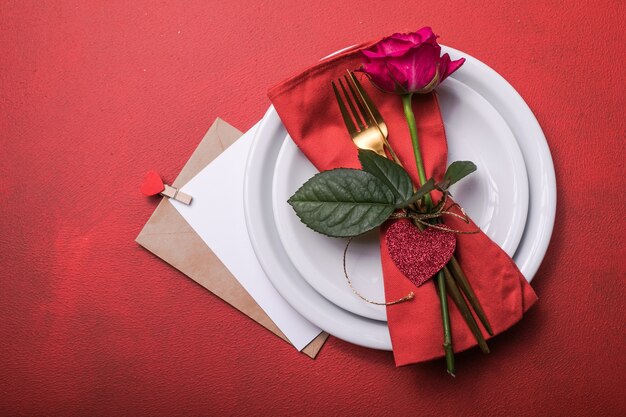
(338, 321)
(496, 197)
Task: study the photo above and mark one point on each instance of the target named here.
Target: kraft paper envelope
(172, 239)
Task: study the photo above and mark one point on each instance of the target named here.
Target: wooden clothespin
(153, 185)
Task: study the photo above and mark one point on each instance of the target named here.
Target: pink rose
(405, 63)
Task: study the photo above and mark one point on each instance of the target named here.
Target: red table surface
(93, 94)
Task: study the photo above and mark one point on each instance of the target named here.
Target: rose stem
(463, 283)
(407, 100)
(445, 276)
(458, 273)
(458, 299)
(454, 267)
(468, 319)
(445, 315)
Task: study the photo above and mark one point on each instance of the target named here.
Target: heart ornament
(419, 255)
(152, 184)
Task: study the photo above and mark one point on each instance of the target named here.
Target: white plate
(332, 318)
(496, 197)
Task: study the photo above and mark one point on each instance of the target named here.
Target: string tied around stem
(421, 218)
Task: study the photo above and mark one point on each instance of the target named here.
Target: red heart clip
(152, 184)
(419, 254)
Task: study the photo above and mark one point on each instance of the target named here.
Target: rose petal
(393, 46)
(417, 67)
(443, 66)
(379, 75)
(455, 65)
(447, 67)
(423, 35)
(398, 77)
(426, 35)
(369, 54)
(406, 38)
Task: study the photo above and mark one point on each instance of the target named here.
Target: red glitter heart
(152, 184)
(419, 254)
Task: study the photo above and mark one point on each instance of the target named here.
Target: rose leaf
(343, 202)
(455, 172)
(419, 194)
(390, 173)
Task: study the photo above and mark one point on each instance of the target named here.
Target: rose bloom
(406, 63)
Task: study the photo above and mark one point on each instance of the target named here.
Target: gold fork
(369, 131)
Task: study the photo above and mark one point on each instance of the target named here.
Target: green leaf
(390, 173)
(456, 171)
(343, 202)
(419, 194)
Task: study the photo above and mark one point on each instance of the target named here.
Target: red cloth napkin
(307, 107)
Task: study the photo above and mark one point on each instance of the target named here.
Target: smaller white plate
(495, 196)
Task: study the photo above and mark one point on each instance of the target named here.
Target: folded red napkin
(307, 107)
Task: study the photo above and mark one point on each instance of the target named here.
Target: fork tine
(367, 118)
(366, 114)
(357, 116)
(366, 98)
(344, 112)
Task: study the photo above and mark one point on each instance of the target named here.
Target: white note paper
(216, 214)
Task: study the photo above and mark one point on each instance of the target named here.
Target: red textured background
(95, 93)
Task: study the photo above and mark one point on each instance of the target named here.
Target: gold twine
(420, 218)
(437, 213)
(407, 297)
